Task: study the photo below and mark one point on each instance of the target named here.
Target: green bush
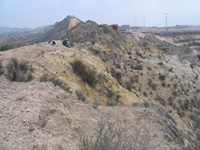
(115, 27)
(145, 93)
(161, 77)
(86, 75)
(170, 100)
(5, 47)
(186, 104)
(137, 67)
(150, 82)
(134, 79)
(110, 93)
(146, 104)
(1, 68)
(181, 113)
(128, 86)
(175, 93)
(19, 71)
(154, 86)
(116, 75)
(113, 99)
(44, 78)
(161, 100)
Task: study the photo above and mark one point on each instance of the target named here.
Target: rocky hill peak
(59, 31)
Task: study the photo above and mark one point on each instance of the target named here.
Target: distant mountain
(60, 28)
(12, 30)
(41, 29)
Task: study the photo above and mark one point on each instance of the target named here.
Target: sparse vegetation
(19, 71)
(110, 137)
(113, 100)
(87, 75)
(55, 81)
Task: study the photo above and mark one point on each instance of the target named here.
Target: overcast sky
(34, 13)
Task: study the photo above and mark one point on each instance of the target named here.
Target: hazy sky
(34, 13)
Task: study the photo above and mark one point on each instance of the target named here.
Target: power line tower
(135, 22)
(166, 22)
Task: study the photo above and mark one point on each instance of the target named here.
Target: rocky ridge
(132, 76)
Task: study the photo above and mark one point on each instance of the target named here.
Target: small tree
(115, 27)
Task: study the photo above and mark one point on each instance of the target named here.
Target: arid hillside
(44, 117)
(107, 82)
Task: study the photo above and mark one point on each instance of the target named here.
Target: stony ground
(41, 116)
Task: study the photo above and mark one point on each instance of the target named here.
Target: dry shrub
(110, 137)
(80, 95)
(19, 71)
(87, 75)
(55, 81)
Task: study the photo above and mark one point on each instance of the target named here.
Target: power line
(166, 21)
(135, 22)
(144, 21)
